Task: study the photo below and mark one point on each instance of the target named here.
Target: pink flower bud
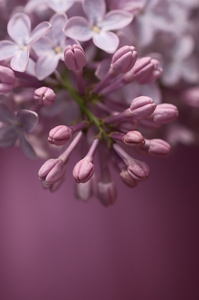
(138, 170)
(123, 60)
(128, 179)
(106, 192)
(165, 113)
(159, 147)
(52, 171)
(142, 107)
(146, 70)
(7, 80)
(133, 138)
(74, 58)
(83, 170)
(45, 96)
(59, 135)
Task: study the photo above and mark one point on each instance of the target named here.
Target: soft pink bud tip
(123, 60)
(45, 96)
(142, 107)
(159, 147)
(74, 58)
(133, 138)
(83, 170)
(59, 135)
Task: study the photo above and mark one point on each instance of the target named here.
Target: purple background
(54, 247)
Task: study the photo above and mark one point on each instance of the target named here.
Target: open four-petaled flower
(19, 29)
(98, 25)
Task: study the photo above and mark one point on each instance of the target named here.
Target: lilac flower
(16, 127)
(58, 6)
(19, 27)
(50, 49)
(98, 26)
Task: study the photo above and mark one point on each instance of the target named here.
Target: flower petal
(8, 49)
(27, 148)
(8, 136)
(5, 114)
(39, 31)
(58, 22)
(28, 118)
(46, 65)
(19, 28)
(116, 19)
(60, 5)
(78, 28)
(95, 10)
(107, 41)
(19, 62)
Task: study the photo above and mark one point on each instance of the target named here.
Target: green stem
(84, 109)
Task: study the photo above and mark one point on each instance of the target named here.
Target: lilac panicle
(76, 82)
(19, 29)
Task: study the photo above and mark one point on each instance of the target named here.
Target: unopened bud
(165, 113)
(142, 107)
(106, 192)
(139, 170)
(59, 135)
(128, 179)
(45, 96)
(74, 58)
(158, 147)
(7, 80)
(146, 70)
(83, 170)
(133, 138)
(52, 171)
(123, 60)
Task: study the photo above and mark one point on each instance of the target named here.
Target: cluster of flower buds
(57, 81)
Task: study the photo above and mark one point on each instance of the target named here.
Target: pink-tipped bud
(142, 107)
(138, 170)
(45, 96)
(133, 138)
(83, 170)
(59, 135)
(165, 113)
(146, 70)
(7, 80)
(128, 179)
(74, 58)
(158, 147)
(123, 60)
(52, 171)
(107, 193)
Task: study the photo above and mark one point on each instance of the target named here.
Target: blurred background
(145, 246)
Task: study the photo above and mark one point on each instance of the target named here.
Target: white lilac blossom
(98, 25)
(58, 6)
(102, 80)
(19, 29)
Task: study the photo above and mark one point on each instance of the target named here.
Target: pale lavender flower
(19, 29)
(16, 127)
(50, 49)
(58, 6)
(98, 26)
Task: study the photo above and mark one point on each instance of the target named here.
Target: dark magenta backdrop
(54, 247)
